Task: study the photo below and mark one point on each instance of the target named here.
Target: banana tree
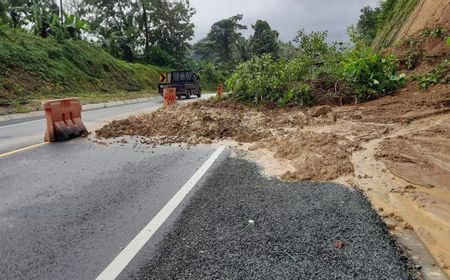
(3, 11)
(75, 25)
(43, 15)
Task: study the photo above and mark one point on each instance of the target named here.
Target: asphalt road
(18, 134)
(68, 209)
(243, 226)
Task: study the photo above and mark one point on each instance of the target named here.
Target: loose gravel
(240, 225)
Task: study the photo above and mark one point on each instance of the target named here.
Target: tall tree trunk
(146, 33)
(61, 11)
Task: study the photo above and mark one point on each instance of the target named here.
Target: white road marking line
(23, 149)
(21, 123)
(131, 250)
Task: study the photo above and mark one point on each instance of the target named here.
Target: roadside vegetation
(312, 71)
(118, 48)
(379, 26)
(32, 67)
(318, 73)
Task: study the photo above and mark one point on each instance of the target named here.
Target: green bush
(318, 73)
(300, 94)
(370, 74)
(439, 75)
(210, 76)
(259, 80)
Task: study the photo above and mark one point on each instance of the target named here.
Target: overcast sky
(285, 16)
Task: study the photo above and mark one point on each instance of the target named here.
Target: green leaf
(448, 41)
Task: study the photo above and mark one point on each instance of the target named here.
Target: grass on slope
(393, 21)
(32, 68)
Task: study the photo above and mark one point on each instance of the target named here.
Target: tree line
(148, 31)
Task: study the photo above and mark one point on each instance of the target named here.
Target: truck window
(189, 76)
(175, 76)
(182, 76)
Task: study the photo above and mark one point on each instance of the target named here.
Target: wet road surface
(68, 209)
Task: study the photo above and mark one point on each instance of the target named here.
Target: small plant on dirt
(439, 75)
(413, 58)
(370, 74)
(436, 32)
(448, 41)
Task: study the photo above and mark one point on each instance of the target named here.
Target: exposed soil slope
(428, 13)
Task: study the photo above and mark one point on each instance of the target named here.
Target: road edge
(164, 220)
(37, 115)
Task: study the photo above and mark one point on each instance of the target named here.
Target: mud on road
(395, 148)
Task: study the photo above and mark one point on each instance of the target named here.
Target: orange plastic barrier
(219, 89)
(63, 119)
(170, 96)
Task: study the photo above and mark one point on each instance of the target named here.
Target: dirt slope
(429, 13)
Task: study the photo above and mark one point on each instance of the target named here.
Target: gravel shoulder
(241, 225)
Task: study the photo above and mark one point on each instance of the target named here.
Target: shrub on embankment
(31, 66)
(319, 73)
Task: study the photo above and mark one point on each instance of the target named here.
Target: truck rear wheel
(188, 94)
(199, 94)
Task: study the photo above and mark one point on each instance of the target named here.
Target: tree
(3, 11)
(243, 50)
(203, 50)
(287, 50)
(142, 27)
(173, 28)
(313, 44)
(74, 25)
(365, 30)
(224, 36)
(19, 13)
(265, 40)
(114, 23)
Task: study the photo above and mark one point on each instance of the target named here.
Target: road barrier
(219, 89)
(170, 96)
(63, 118)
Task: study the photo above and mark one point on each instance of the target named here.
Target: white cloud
(286, 16)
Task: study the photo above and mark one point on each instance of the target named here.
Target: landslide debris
(315, 156)
(395, 148)
(421, 157)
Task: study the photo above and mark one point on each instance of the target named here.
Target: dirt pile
(404, 107)
(315, 156)
(198, 122)
(323, 156)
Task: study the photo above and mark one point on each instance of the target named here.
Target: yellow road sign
(162, 78)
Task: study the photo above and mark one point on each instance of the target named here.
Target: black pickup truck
(186, 83)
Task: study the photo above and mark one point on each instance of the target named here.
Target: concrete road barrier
(219, 90)
(63, 118)
(170, 96)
